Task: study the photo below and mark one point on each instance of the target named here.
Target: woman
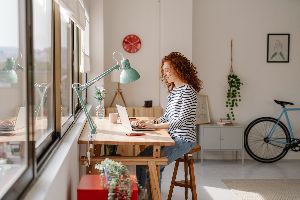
(180, 77)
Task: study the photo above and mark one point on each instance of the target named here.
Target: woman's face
(169, 72)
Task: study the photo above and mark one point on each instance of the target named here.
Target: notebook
(125, 120)
(13, 125)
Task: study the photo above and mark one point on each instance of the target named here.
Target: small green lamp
(8, 73)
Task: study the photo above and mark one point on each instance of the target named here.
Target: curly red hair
(185, 70)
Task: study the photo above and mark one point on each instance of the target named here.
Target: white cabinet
(221, 138)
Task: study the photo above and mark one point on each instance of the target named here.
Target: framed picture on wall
(202, 112)
(278, 48)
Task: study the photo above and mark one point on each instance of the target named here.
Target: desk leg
(156, 151)
(158, 172)
(156, 154)
(156, 195)
(97, 150)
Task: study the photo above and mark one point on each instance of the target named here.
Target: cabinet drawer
(211, 138)
(231, 138)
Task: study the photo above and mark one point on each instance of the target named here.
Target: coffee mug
(113, 118)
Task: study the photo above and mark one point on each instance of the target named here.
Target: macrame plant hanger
(231, 68)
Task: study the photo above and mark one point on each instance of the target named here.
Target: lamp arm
(79, 88)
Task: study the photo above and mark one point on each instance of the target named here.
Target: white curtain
(78, 13)
(75, 10)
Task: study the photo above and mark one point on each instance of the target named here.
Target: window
(66, 67)
(39, 104)
(76, 61)
(14, 134)
(43, 71)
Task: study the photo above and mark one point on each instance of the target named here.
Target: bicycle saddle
(283, 103)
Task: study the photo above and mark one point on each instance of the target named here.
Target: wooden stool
(188, 164)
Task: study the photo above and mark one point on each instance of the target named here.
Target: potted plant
(100, 95)
(117, 179)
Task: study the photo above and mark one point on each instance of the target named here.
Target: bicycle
(268, 139)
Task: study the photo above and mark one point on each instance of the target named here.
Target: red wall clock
(132, 43)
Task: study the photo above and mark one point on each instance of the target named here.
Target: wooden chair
(188, 169)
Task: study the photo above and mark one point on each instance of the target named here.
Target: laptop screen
(124, 117)
(21, 119)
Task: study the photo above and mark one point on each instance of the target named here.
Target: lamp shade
(128, 74)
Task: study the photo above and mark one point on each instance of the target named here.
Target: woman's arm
(152, 124)
(161, 126)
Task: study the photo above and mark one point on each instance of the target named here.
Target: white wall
(176, 30)
(247, 22)
(96, 47)
(138, 17)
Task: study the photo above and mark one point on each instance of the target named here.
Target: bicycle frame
(290, 129)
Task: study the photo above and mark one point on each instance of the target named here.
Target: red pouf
(90, 188)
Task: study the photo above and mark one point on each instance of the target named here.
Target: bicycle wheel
(262, 148)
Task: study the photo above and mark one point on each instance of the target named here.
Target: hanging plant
(233, 92)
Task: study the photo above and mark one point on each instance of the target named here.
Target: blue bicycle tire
(255, 154)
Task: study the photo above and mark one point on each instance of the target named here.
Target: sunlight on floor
(248, 195)
(215, 192)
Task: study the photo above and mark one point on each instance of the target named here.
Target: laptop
(13, 125)
(125, 120)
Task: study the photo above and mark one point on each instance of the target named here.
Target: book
(225, 122)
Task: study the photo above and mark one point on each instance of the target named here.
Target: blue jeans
(172, 153)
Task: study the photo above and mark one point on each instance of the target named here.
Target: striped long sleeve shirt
(181, 113)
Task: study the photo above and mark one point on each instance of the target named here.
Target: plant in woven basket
(117, 178)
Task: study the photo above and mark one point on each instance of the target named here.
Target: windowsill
(43, 184)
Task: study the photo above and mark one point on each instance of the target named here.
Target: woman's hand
(145, 124)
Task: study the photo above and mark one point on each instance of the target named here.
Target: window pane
(82, 76)
(66, 68)
(43, 69)
(13, 127)
(76, 67)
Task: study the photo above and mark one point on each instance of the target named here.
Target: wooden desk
(114, 134)
(20, 135)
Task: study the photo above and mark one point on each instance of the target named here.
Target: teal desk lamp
(8, 73)
(128, 75)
